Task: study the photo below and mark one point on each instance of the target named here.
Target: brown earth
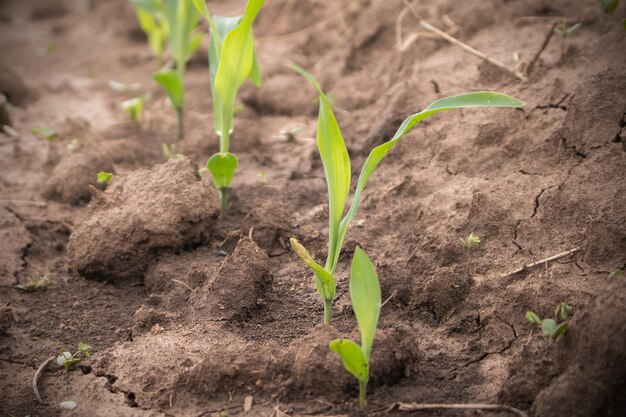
(189, 315)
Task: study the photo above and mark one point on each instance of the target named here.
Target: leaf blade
(353, 358)
(365, 296)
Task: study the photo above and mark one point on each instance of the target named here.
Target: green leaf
(336, 161)
(104, 177)
(45, 132)
(85, 349)
(222, 167)
(194, 44)
(182, 18)
(461, 101)
(561, 329)
(562, 311)
(151, 6)
(324, 281)
(548, 327)
(365, 296)
(235, 63)
(354, 360)
(533, 318)
(609, 6)
(202, 8)
(172, 83)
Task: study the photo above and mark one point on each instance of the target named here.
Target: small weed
(45, 132)
(68, 359)
(470, 241)
(74, 145)
(105, 177)
(171, 151)
(550, 327)
(616, 273)
(35, 284)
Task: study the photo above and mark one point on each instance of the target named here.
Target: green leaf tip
(366, 298)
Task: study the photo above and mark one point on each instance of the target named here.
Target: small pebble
(221, 253)
(68, 405)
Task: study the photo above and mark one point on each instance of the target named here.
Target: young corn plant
(232, 60)
(366, 303)
(152, 18)
(184, 40)
(336, 162)
(133, 107)
(68, 359)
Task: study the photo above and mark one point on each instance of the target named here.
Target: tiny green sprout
(564, 29)
(104, 177)
(74, 144)
(550, 327)
(171, 151)
(133, 107)
(338, 172)
(366, 303)
(152, 18)
(262, 177)
(616, 273)
(68, 359)
(45, 132)
(609, 6)
(470, 241)
(35, 284)
(184, 39)
(232, 60)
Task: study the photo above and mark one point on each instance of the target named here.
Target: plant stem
(362, 392)
(328, 310)
(223, 202)
(181, 120)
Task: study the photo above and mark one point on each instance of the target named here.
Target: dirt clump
(239, 286)
(12, 86)
(118, 240)
(72, 177)
(16, 240)
(594, 349)
(269, 222)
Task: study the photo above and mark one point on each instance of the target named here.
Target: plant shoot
(337, 171)
(232, 60)
(551, 327)
(366, 303)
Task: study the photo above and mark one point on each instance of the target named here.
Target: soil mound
(118, 240)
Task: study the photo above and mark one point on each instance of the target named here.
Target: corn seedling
(133, 107)
(152, 19)
(366, 303)
(564, 30)
(184, 40)
(104, 177)
(336, 162)
(550, 327)
(45, 132)
(68, 359)
(232, 60)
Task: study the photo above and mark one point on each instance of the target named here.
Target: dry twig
(477, 406)
(541, 262)
(541, 49)
(424, 24)
(36, 377)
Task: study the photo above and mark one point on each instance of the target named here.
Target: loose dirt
(190, 315)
